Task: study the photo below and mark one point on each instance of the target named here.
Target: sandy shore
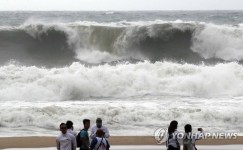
(151, 147)
(40, 142)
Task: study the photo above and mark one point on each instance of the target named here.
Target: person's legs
(172, 148)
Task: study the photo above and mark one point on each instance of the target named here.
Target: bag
(107, 144)
(100, 143)
(78, 140)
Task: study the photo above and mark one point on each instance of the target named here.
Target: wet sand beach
(45, 142)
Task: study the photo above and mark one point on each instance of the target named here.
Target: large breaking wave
(126, 96)
(159, 90)
(57, 44)
(78, 82)
(33, 97)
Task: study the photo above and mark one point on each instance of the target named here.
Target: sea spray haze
(136, 70)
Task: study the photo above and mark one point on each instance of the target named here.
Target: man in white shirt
(65, 141)
(70, 128)
(97, 126)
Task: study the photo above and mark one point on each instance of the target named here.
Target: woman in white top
(172, 142)
(190, 139)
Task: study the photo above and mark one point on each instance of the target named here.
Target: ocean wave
(58, 44)
(77, 81)
(129, 118)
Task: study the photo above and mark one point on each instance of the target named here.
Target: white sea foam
(224, 42)
(134, 116)
(132, 99)
(122, 80)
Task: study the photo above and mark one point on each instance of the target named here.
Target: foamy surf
(129, 68)
(78, 81)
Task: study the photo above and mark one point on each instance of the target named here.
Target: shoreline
(44, 141)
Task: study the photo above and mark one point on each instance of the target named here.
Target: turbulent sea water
(136, 70)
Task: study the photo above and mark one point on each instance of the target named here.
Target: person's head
(188, 128)
(99, 122)
(172, 127)
(69, 124)
(63, 128)
(99, 133)
(86, 123)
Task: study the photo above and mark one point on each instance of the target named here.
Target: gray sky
(121, 4)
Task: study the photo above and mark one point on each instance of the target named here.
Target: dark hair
(69, 124)
(98, 120)
(99, 133)
(85, 120)
(188, 128)
(172, 127)
(61, 125)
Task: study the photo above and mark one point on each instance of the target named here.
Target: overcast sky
(121, 4)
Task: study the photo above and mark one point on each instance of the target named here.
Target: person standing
(99, 142)
(97, 126)
(65, 141)
(70, 128)
(189, 139)
(172, 142)
(84, 135)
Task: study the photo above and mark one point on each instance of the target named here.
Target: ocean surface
(135, 70)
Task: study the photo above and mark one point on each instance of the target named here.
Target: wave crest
(90, 42)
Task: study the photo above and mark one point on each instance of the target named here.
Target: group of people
(188, 140)
(70, 140)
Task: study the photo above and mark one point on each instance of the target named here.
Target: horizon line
(131, 10)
